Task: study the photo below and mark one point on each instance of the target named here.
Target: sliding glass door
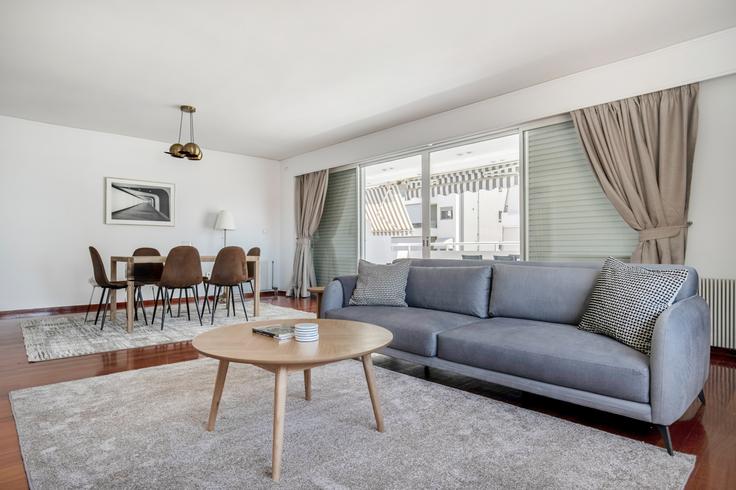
(454, 202)
(392, 210)
(474, 200)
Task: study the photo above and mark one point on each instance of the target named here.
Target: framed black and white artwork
(138, 202)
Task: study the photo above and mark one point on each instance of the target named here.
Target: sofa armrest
(332, 298)
(680, 358)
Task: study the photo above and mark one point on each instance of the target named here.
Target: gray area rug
(146, 429)
(57, 337)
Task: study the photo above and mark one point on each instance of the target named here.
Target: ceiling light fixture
(190, 150)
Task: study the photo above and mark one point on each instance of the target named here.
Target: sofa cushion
(690, 288)
(552, 353)
(415, 329)
(549, 294)
(457, 289)
(380, 285)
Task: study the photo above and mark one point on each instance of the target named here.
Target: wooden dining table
(130, 260)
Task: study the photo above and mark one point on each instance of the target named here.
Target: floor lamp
(224, 222)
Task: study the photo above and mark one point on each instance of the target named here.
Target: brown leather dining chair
(146, 275)
(98, 267)
(101, 281)
(228, 272)
(251, 268)
(182, 271)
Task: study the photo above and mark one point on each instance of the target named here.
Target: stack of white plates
(306, 332)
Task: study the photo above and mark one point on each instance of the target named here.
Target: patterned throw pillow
(381, 284)
(627, 300)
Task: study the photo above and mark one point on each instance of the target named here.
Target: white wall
(700, 59)
(52, 205)
(712, 237)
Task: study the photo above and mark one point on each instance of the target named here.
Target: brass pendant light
(175, 149)
(190, 150)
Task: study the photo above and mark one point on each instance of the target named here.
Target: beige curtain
(309, 201)
(641, 150)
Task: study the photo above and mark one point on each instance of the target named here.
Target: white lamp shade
(224, 221)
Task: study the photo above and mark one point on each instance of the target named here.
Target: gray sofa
(514, 324)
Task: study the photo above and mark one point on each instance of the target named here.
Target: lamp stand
(225, 297)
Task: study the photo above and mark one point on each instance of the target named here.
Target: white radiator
(720, 294)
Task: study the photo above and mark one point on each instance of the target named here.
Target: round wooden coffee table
(338, 340)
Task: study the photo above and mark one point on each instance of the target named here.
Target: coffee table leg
(370, 377)
(219, 385)
(307, 384)
(279, 407)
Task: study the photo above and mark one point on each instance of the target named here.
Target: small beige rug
(57, 337)
(146, 429)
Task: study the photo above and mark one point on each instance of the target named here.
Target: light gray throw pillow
(383, 285)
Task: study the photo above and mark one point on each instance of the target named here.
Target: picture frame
(139, 202)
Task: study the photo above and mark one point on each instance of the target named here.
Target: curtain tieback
(661, 232)
(303, 240)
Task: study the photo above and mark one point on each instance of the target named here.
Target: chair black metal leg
(232, 300)
(186, 298)
(167, 302)
(155, 305)
(214, 304)
(664, 431)
(99, 306)
(242, 300)
(143, 305)
(206, 301)
(196, 304)
(135, 304)
(178, 309)
(89, 304)
(701, 396)
(104, 311)
(195, 293)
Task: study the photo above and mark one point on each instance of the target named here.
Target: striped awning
(386, 211)
(494, 176)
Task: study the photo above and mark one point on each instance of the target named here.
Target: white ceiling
(279, 78)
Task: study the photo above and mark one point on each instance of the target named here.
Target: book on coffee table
(278, 332)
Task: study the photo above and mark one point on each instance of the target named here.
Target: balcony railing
(452, 249)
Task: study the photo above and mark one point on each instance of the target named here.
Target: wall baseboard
(722, 353)
(61, 310)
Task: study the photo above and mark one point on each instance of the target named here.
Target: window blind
(335, 244)
(569, 216)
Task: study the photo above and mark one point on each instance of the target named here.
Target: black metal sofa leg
(701, 396)
(664, 430)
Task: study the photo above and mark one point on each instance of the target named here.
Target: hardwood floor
(707, 431)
